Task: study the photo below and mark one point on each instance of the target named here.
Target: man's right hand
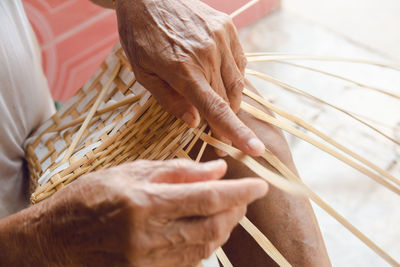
(144, 213)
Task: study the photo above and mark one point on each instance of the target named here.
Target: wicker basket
(113, 119)
(127, 124)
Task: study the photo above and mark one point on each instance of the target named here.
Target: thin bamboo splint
(113, 119)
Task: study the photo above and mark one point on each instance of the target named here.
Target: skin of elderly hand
(144, 213)
(188, 56)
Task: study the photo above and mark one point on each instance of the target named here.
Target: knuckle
(242, 211)
(242, 61)
(136, 248)
(212, 199)
(222, 24)
(208, 46)
(237, 86)
(228, 21)
(216, 230)
(179, 163)
(242, 131)
(215, 107)
(206, 250)
(180, 61)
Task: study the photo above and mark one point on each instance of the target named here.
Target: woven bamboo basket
(113, 119)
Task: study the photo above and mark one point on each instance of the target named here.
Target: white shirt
(25, 101)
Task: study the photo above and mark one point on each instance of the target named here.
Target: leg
(289, 222)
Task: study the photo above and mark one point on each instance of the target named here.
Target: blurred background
(75, 36)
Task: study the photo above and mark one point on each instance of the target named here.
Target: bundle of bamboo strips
(113, 119)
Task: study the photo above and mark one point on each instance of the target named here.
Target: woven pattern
(113, 119)
(128, 125)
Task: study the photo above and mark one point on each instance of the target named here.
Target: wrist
(20, 241)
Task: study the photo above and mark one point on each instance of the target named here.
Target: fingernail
(188, 118)
(256, 146)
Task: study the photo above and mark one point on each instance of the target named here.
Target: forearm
(287, 220)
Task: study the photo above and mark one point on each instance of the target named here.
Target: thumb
(222, 119)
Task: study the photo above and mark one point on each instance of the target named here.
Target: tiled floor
(372, 23)
(370, 207)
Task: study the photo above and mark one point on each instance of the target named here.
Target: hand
(145, 213)
(189, 57)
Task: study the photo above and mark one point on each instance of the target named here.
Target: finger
(201, 230)
(223, 139)
(171, 100)
(207, 198)
(188, 171)
(181, 255)
(198, 239)
(218, 85)
(233, 81)
(222, 119)
(237, 49)
(215, 228)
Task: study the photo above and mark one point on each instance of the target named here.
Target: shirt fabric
(25, 101)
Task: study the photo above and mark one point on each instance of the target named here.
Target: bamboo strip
(182, 154)
(269, 176)
(223, 258)
(263, 57)
(328, 139)
(90, 114)
(202, 149)
(264, 243)
(284, 126)
(361, 116)
(126, 101)
(272, 178)
(243, 8)
(195, 139)
(305, 94)
(340, 78)
(285, 171)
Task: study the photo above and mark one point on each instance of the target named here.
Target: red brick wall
(76, 35)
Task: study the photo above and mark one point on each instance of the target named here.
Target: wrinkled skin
(287, 220)
(145, 213)
(188, 56)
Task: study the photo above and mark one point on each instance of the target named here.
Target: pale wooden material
(90, 115)
(322, 204)
(276, 163)
(113, 119)
(223, 258)
(262, 56)
(360, 84)
(284, 126)
(129, 124)
(244, 8)
(278, 181)
(305, 94)
(263, 241)
(328, 139)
